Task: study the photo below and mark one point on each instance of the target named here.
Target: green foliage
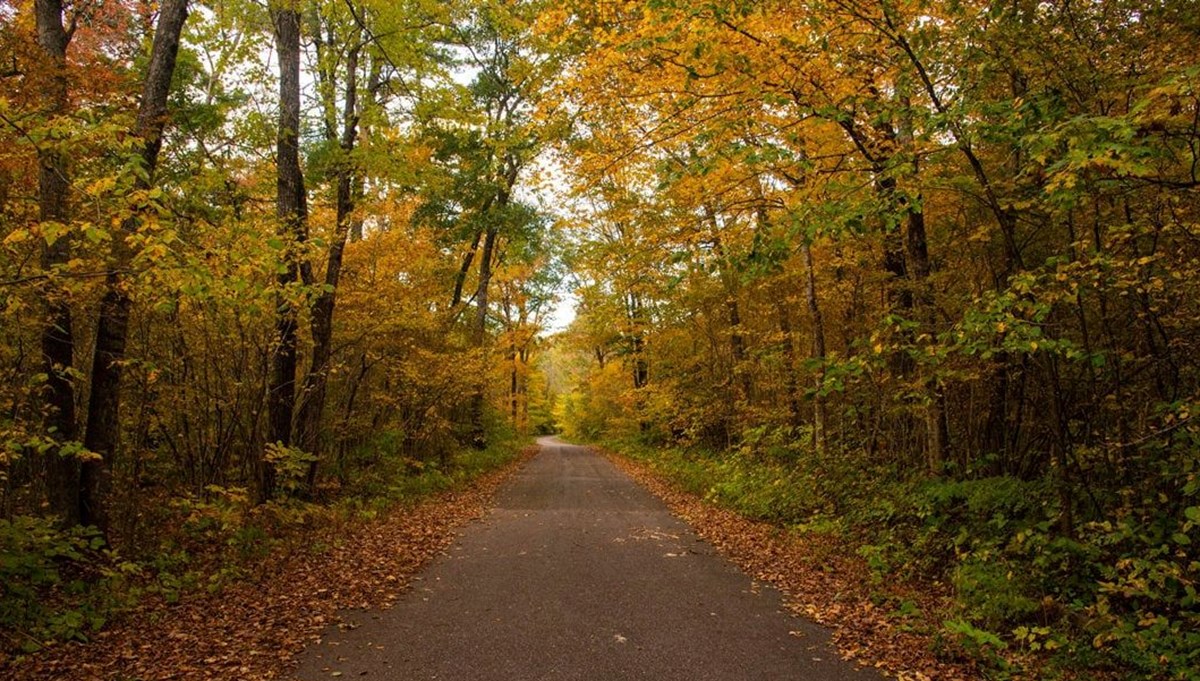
(291, 465)
(977, 643)
(1116, 595)
(55, 584)
(779, 491)
(58, 584)
(387, 473)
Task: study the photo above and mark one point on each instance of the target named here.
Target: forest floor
(255, 629)
(820, 578)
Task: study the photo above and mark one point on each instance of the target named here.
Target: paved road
(579, 573)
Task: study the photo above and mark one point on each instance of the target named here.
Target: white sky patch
(563, 313)
(545, 184)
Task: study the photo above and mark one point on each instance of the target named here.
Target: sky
(562, 315)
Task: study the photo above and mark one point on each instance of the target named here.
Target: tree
(291, 207)
(112, 328)
(488, 139)
(58, 339)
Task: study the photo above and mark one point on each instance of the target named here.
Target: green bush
(44, 573)
(1117, 594)
(60, 584)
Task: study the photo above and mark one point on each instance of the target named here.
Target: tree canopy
(923, 272)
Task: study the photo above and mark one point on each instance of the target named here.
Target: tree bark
(513, 384)
(737, 346)
(637, 343)
(740, 371)
(312, 406)
(479, 334)
(820, 439)
(916, 253)
(500, 200)
(460, 279)
(523, 390)
(791, 387)
(291, 209)
(358, 191)
(112, 330)
(57, 336)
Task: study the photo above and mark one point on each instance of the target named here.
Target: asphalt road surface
(579, 573)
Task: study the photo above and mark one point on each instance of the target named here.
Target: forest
(919, 277)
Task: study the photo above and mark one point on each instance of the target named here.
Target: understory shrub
(1115, 592)
(64, 584)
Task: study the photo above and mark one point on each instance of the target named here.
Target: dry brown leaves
(254, 630)
(820, 578)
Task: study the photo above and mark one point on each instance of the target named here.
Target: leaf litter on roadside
(819, 578)
(255, 629)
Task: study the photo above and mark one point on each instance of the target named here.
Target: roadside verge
(254, 629)
(820, 578)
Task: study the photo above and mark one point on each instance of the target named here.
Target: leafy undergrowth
(953, 578)
(821, 577)
(254, 625)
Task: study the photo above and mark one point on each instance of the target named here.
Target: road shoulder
(816, 577)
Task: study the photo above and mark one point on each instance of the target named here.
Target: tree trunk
(791, 388)
(312, 406)
(737, 346)
(916, 253)
(513, 384)
(481, 291)
(641, 371)
(291, 209)
(460, 279)
(112, 330)
(523, 390)
(374, 83)
(820, 438)
(57, 336)
(500, 200)
(479, 334)
(739, 374)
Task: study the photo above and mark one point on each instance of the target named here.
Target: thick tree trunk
(737, 346)
(112, 331)
(291, 209)
(58, 340)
